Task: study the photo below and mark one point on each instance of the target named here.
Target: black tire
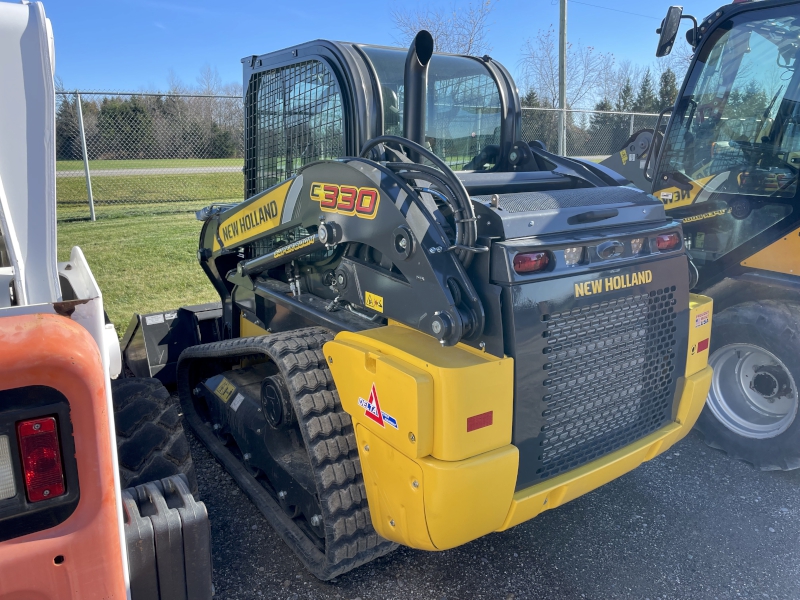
(151, 443)
(775, 327)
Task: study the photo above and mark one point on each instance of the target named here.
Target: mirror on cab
(668, 30)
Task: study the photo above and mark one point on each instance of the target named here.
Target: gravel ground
(689, 524)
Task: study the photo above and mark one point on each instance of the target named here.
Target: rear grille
(610, 377)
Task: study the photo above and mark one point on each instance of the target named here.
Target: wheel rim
(752, 392)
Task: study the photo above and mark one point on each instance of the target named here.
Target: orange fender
(45, 349)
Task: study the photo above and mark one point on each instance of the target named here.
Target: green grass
(152, 188)
(142, 264)
(77, 165)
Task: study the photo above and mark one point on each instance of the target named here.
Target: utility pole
(562, 79)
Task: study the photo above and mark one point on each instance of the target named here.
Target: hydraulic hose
(463, 211)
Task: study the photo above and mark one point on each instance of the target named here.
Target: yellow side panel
(250, 329)
(467, 499)
(467, 385)
(701, 310)
(404, 395)
(673, 197)
(395, 503)
(536, 499)
(431, 504)
(782, 256)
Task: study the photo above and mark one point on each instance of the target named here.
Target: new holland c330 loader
(429, 330)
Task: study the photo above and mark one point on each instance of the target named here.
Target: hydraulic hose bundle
(444, 185)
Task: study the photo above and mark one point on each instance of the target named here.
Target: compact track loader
(728, 168)
(429, 329)
(96, 475)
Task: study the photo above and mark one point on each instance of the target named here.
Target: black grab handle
(593, 215)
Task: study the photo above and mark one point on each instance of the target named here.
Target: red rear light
(667, 241)
(41, 458)
(530, 262)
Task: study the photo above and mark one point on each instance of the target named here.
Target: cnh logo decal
(346, 199)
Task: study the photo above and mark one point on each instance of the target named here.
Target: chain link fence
(121, 154)
(139, 153)
(590, 134)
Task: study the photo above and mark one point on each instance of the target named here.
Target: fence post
(85, 157)
(631, 133)
(562, 78)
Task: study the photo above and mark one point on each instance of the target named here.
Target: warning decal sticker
(373, 301)
(224, 390)
(372, 410)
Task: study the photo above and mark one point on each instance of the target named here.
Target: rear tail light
(636, 245)
(41, 458)
(667, 241)
(530, 262)
(7, 487)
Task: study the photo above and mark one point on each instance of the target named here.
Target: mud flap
(168, 537)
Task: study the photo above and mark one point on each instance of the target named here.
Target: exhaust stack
(415, 81)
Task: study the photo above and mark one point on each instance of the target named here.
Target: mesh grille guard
(611, 377)
(595, 373)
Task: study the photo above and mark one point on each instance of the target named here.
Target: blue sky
(134, 44)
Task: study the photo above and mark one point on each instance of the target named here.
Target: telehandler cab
(728, 169)
(429, 329)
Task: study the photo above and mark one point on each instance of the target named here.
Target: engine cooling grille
(610, 376)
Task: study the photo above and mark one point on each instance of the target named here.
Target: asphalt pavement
(691, 524)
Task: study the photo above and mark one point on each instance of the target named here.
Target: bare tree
(677, 61)
(586, 69)
(209, 81)
(459, 29)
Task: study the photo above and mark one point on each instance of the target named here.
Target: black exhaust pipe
(415, 80)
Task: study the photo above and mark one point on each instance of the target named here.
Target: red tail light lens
(41, 458)
(667, 241)
(530, 262)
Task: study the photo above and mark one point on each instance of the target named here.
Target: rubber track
(350, 539)
(151, 443)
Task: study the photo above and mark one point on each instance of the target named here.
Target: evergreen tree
(541, 125)
(749, 103)
(126, 128)
(646, 100)
(68, 140)
(667, 89)
(625, 99)
(530, 99)
(602, 132)
(601, 120)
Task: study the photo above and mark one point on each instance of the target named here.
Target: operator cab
(303, 112)
(730, 162)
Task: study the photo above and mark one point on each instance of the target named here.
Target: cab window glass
(737, 121)
(463, 111)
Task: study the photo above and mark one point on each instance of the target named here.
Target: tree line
(595, 81)
(177, 124)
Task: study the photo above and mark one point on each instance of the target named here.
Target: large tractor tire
(151, 443)
(752, 407)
